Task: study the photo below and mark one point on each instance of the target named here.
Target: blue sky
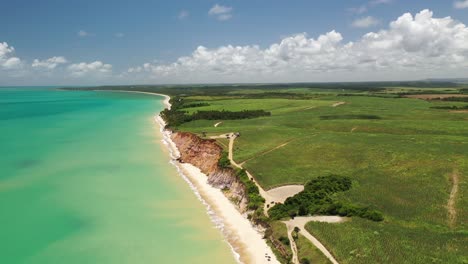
(120, 37)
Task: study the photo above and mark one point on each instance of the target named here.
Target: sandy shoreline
(246, 242)
(166, 97)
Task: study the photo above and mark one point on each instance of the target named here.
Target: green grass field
(307, 251)
(401, 164)
(402, 155)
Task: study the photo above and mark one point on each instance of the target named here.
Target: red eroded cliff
(204, 154)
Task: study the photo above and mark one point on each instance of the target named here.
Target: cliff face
(204, 154)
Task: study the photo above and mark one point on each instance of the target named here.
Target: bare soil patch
(280, 194)
(338, 104)
(452, 210)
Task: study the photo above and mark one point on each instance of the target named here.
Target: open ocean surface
(84, 178)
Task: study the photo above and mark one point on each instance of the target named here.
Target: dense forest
(318, 198)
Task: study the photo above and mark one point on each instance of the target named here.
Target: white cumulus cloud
(411, 45)
(183, 14)
(50, 63)
(96, 68)
(380, 2)
(7, 60)
(221, 12)
(365, 22)
(460, 4)
(82, 34)
(358, 10)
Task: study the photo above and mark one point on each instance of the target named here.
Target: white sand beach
(247, 243)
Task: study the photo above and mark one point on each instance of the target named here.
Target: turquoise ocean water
(84, 178)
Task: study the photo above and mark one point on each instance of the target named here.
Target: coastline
(166, 97)
(246, 242)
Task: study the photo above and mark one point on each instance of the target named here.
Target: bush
(284, 240)
(224, 161)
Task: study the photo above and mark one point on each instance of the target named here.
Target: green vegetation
(451, 107)
(193, 105)
(175, 116)
(256, 201)
(361, 241)
(318, 199)
(333, 117)
(308, 253)
(401, 163)
(277, 238)
(455, 99)
(224, 161)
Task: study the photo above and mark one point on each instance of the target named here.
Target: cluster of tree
(318, 198)
(455, 99)
(377, 94)
(224, 161)
(256, 201)
(451, 107)
(425, 91)
(335, 117)
(229, 115)
(284, 240)
(192, 105)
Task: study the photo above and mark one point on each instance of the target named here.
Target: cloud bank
(365, 22)
(7, 60)
(411, 46)
(50, 63)
(96, 69)
(461, 4)
(221, 12)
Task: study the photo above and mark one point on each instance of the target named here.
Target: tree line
(175, 117)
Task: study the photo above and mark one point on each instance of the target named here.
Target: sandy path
(232, 137)
(310, 107)
(295, 256)
(452, 211)
(268, 151)
(338, 104)
(279, 194)
(301, 221)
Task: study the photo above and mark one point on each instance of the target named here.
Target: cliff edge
(205, 154)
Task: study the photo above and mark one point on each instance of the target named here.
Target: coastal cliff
(205, 154)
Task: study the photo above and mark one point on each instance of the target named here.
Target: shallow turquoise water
(85, 179)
